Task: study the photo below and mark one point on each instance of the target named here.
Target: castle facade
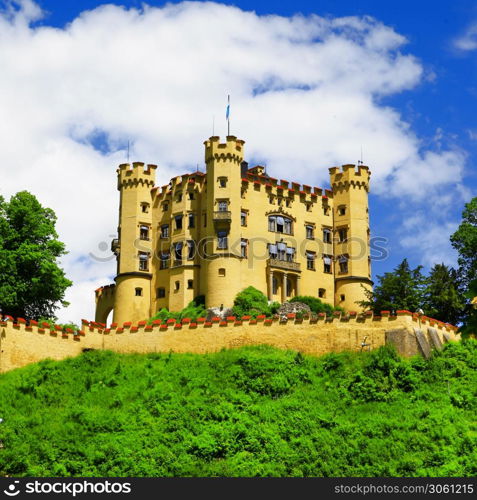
(215, 233)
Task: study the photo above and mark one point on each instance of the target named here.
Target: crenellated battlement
(232, 150)
(135, 175)
(349, 175)
(28, 342)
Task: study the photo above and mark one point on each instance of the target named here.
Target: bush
(252, 302)
(64, 326)
(195, 309)
(316, 305)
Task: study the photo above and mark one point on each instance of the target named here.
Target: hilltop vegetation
(253, 411)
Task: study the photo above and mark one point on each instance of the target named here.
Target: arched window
(280, 224)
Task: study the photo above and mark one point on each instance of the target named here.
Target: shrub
(195, 309)
(252, 302)
(316, 305)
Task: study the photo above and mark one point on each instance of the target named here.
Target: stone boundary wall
(23, 342)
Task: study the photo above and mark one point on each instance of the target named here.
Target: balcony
(285, 265)
(223, 216)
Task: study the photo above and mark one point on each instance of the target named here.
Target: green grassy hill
(247, 412)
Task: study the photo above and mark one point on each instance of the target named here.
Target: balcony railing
(223, 215)
(284, 264)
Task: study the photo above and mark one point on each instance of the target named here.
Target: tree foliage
(403, 288)
(254, 411)
(464, 240)
(32, 285)
(443, 298)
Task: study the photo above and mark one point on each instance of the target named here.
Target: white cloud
(306, 95)
(468, 40)
(430, 238)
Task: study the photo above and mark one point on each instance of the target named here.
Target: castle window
(222, 240)
(164, 260)
(138, 292)
(165, 207)
(343, 260)
(243, 218)
(326, 210)
(288, 203)
(342, 235)
(282, 250)
(310, 260)
(190, 284)
(326, 235)
(342, 210)
(205, 220)
(310, 232)
(280, 201)
(145, 207)
(274, 285)
(243, 248)
(165, 231)
(342, 298)
(190, 249)
(223, 206)
(191, 195)
(177, 286)
(178, 253)
(308, 207)
(271, 199)
(161, 293)
(279, 224)
(144, 232)
(143, 261)
(179, 198)
(222, 182)
(273, 251)
(178, 219)
(191, 221)
(327, 264)
(290, 254)
(321, 293)
(222, 271)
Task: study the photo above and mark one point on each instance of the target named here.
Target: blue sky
(407, 78)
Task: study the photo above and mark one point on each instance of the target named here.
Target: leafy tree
(464, 240)
(31, 282)
(443, 299)
(403, 288)
(470, 321)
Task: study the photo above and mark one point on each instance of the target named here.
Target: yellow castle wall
(20, 344)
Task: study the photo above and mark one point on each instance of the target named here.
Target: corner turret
(350, 185)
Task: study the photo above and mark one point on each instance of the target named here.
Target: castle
(215, 233)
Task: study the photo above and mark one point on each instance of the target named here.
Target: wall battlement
(136, 174)
(230, 150)
(22, 343)
(350, 175)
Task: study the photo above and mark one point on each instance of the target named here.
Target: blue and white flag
(227, 111)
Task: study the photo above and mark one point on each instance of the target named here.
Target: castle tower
(223, 264)
(133, 248)
(352, 269)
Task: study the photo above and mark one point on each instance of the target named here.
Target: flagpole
(228, 115)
